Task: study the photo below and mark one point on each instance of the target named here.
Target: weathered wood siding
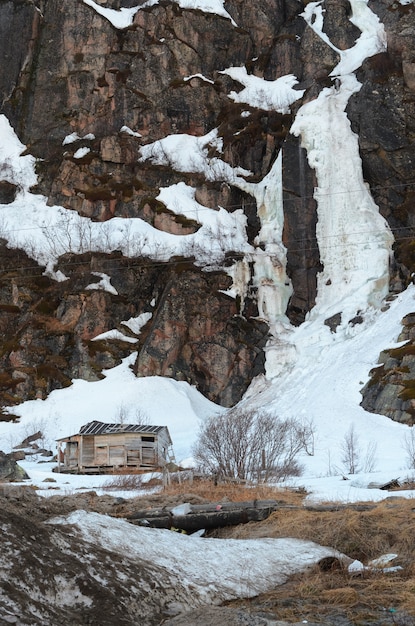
(72, 456)
(87, 450)
(117, 456)
(121, 449)
(130, 449)
(148, 455)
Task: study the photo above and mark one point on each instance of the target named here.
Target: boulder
(10, 471)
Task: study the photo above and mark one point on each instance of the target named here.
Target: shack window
(147, 438)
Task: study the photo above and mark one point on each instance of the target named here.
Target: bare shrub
(36, 433)
(351, 452)
(370, 460)
(248, 444)
(306, 430)
(409, 447)
(129, 415)
(332, 469)
(124, 482)
(121, 416)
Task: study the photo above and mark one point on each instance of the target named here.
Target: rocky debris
(10, 470)
(8, 192)
(212, 616)
(333, 322)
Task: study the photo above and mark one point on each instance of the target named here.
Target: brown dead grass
(364, 535)
(364, 532)
(233, 492)
(313, 596)
(388, 527)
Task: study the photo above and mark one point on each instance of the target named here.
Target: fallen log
(233, 506)
(191, 522)
(218, 515)
(207, 517)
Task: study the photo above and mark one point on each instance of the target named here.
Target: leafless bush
(409, 447)
(332, 469)
(39, 426)
(84, 231)
(124, 482)
(306, 430)
(248, 444)
(351, 452)
(128, 415)
(354, 458)
(370, 460)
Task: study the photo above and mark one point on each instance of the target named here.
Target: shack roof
(100, 428)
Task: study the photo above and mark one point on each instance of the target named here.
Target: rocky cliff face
(68, 69)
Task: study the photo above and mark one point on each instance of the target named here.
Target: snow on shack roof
(101, 428)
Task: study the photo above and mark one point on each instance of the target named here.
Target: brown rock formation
(391, 388)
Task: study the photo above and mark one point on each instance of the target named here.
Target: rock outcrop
(10, 471)
(391, 388)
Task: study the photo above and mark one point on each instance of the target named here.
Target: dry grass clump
(393, 590)
(361, 534)
(332, 589)
(315, 595)
(361, 599)
(386, 527)
(342, 596)
(233, 492)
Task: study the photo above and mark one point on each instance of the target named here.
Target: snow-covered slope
(321, 389)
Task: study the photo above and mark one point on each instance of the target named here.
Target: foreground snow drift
(214, 569)
(89, 568)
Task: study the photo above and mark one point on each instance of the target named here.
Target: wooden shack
(106, 448)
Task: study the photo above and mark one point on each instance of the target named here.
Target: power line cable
(240, 205)
(149, 264)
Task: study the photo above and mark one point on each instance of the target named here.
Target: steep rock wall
(71, 71)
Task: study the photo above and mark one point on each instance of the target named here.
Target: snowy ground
(323, 389)
(249, 566)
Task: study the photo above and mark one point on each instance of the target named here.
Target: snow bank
(217, 569)
(270, 95)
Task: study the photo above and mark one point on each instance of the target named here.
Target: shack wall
(121, 450)
(128, 449)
